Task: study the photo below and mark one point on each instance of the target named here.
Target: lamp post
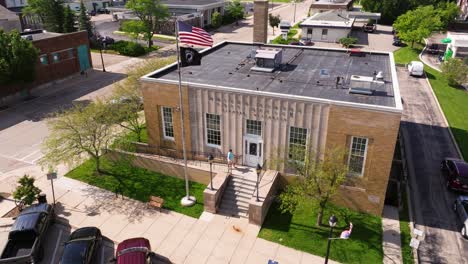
(259, 169)
(102, 41)
(210, 160)
(294, 19)
(332, 222)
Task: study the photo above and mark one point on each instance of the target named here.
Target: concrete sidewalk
(391, 235)
(180, 238)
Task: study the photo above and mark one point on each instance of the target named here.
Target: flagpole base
(188, 201)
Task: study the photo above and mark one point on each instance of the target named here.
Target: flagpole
(187, 200)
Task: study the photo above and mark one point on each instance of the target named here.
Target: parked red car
(456, 173)
(134, 251)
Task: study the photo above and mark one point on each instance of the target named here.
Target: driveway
(23, 126)
(427, 141)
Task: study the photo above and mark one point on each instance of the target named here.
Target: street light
(259, 169)
(102, 41)
(332, 222)
(210, 160)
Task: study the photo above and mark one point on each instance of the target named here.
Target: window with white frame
(297, 143)
(254, 127)
(357, 155)
(168, 127)
(213, 129)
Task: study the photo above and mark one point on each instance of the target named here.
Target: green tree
(235, 10)
(151, 13)
(455, 71)
(18, 59)
(134, 28)
(69, 20)
(317, 182)
(26, 193)
(447, 12)
(216, 19)
(77, 134)
(51, 13)
(84, 23)
(127, 112)
(274, 21)
(415, 25)
(348, 41)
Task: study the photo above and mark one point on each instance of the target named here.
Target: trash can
(41, 198)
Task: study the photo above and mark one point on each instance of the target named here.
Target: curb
(408, 194)
(438, 105)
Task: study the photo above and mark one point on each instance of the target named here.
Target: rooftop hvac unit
(267, 60)
(364, 85)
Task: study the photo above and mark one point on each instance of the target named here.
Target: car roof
(462, 168)
(84, 232)
(133, 257)
(26, 222)
(37, 208)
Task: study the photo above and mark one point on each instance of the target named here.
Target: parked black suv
(26, 237)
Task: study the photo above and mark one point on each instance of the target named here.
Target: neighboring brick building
(60, 55)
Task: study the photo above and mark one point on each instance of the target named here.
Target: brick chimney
(260, 29)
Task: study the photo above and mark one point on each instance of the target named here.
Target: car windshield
(75, 252)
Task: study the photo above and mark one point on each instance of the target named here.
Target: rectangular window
(213, 129)
(168, 126)
(44, 60)
(55, 57)
(357, 155)
(324, 34)
(254, 127)
(297, 143)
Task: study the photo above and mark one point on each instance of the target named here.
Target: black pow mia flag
(189, 57)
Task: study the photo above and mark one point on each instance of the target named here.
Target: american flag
(193, 35)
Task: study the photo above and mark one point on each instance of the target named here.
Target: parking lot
(56, 236)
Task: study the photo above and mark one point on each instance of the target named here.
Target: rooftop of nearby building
(190, 2)
(7, 14)
(39, 34)
(305, 72)
(330, 18)
(331, 2)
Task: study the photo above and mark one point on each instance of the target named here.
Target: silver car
(460, 206)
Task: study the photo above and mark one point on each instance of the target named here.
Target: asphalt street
(427, 141)
(23, 126)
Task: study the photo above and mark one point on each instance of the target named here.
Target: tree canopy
(456, 71)
(84, 23)
(235, 9)
(77, 134)
(391, 9)
(26, 193)
(69, 20)
(274, 21)
(415, 25)
(317, 182)
(51, 13)
(151, 13)
(18, 59)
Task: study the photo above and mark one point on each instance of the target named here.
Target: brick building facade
(60, 55)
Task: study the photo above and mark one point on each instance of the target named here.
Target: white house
(327, 26)
(459, 44)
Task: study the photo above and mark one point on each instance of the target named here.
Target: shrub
(129, 48)
(455, 71)
(26, 192)
(348, 41)
(216, 19)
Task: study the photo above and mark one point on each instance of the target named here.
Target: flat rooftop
(190, 2)
(307, 72)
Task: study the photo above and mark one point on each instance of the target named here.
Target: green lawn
(453, 100)
(139, 184)
(405, 232)
(299, 231)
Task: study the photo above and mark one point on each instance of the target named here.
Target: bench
(155, 202)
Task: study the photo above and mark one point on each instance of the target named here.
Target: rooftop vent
(267, 60)
(364, 85)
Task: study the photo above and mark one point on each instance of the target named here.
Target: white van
(416, 68)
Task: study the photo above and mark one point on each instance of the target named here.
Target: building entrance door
(253, 151)
(83, 57)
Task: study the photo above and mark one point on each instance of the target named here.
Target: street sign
(418, 232)
(414, 243)
(52, 175)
